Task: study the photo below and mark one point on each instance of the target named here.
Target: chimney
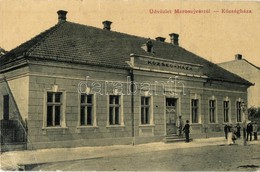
(174, 39)
(61, 16)
(149, 46)
(107, 25)
(238, 57)
(161, 39)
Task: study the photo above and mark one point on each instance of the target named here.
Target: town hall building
(77, 85)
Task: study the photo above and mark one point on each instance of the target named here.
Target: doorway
(171, 116)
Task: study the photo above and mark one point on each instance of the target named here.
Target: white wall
(20, 90)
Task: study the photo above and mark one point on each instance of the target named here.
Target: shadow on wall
(13, 127)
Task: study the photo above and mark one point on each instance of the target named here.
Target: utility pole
(243, 107)
(132, 106)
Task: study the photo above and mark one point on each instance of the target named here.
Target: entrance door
(171, 116)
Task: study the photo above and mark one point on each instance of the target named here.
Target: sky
(216, 36)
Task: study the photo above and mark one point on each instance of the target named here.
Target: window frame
(62, 109)
(53, 104)
(238, 110)
(195, 96)
(214, 112)
(121, 110)
(151, 114)
(226, 110)
(93, 110)
(196, 108)
(145, 118)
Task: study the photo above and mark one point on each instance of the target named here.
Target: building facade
(76, 85)
(248, 71)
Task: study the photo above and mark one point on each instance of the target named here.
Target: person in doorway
(186, 130)
(249, 130)
(255, 130)
(179, 126)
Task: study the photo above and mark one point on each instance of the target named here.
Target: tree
(253, 112)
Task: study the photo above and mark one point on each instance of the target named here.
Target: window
(212, 111)
(86, 109)
(145, 110)
(54, 108)
(238, 108)
(114, 110)
(194, 110)
(6, 107)
(226, 111)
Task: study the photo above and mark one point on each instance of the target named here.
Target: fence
(12, 131)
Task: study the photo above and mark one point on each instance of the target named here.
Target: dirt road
(209, 158)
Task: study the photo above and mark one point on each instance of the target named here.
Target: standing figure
(234, 133)
(179, 126)
(226, 130)
(230, 134)
(255, 130)
(186, 130)
(249, 130)
(238, 130)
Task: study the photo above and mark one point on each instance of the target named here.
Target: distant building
(77, 85)
(248, 71)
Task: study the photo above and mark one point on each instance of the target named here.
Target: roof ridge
(251, 64)
(117, 32)
(112, 31)
(41, 39)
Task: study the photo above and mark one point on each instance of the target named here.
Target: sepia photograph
(128, 85)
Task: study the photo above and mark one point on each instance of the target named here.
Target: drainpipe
(132, 105)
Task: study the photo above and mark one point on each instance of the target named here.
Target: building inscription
(169, 65)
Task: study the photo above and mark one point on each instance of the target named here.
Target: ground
(207, 158)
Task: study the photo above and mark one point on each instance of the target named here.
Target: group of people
(251, 128)
(233, 132)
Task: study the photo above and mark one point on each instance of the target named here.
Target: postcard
(127, 85)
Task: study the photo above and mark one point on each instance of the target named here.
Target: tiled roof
(77, 43)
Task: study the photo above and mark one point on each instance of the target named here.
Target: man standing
(179, 126)
(249, 130)
(186, 130)
(226, 130)
(238, 130)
